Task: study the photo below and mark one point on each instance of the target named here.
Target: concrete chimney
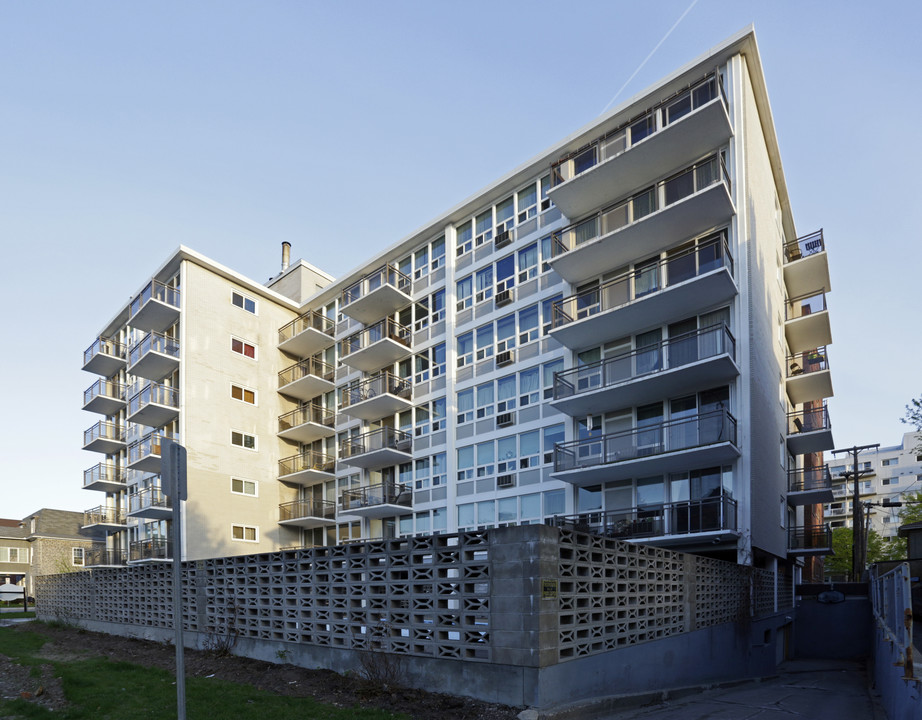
(286, 255)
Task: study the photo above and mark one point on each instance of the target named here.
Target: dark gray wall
(834, 630)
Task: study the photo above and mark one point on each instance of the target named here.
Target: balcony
(806, 267)
(106, 397)
(155, 405)
(382, 395)
(810, 540)
(671, 135)
(155, 308)
(103, 557)
(810, 486)
(376, 449)
(149, 503)
(308, 334)
(377, 501)
(807, 323)
(809, 431)
(681, 285)
(709, 521)
(307, 423)
(307, 468)
(104, 518)
(145, 454)
(106, 477)
(383, 343)
(697, 360)
(377, 295)
(149, 550)
(687, 204)
(307, 379)
(104, 437)
(154, 356)
(808, 377)
(308, 513)
(705, 440)
(104, 357)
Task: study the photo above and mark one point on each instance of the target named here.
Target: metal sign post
(173, 483)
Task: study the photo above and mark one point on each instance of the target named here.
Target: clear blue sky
(129, 128)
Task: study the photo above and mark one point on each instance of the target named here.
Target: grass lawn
(100, 689)
(16, 615)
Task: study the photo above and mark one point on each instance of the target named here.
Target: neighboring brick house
(14, 552)
(58, 542)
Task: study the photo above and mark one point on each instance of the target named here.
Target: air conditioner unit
(507, 357)
(503, 297)
(505, 481)
(505, 419)
(502, 239)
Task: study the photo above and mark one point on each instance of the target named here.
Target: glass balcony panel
(145, 454)
(106, 397)
(308, 334)
(154, 405)
(155, 308)
(106, 477)
(104, 517)
(154, 356)
(104, 357)
(150, 503)
(150, 549)
(104, 437)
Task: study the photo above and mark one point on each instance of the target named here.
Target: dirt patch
(17, 681)
(69, 643)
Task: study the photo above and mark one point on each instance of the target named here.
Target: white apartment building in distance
(625, 334)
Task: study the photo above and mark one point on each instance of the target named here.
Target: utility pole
(173, 480)
(859, 543)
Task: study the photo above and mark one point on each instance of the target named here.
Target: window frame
(242, 444)
(243, 391)
(75, 552)
(243, 533)
(244, 482)
(243, 302)
(244, 344)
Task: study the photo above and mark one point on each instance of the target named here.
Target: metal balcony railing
(804, 246)
(807, 362)
(384, 382)
(155, 290)
(148, 498)
(804, 305)
(384, 494)
(626, 136)
(658, 197)
(312, 367)
(311, 320)
(386, 438)
(312, 413)
(810, 537)
(387, 328)
(96, 557)
(154, 394)
(684, 517)
(308, 460)
(104, 472)
(104, 388)
(149, 445)
(297, 509)
(710, 254)
(709, 428)
(673, 353)
(103, 515)
(153, 342)
(104, 430)
(386, 275)
(104, 346)
(150, 549)
(805, 479)
(809, 420)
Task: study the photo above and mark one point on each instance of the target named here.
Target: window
(465, 406)
(439, 469)
(528, 325)
(506, 454)
(553, 434)
(243, 440)
(547, 313)
(548, 371)
(78, 556)
(465, 238)
(422, 473)
(243, 302)
(527, 202)
(438, 253)
(505, 212)
(484, 284)
(486, 457)
(529, 386)
(421, 263)
(485, 341)
(465, 349)
(483, 230)
(243, 394)
(465, 290)
(438, 306)
(484, 400)
(243, 348)
(528, 262)
(465, 463)
(890, 461)
(246, 533)
(505, 394)
(243, 487)
(530, 449)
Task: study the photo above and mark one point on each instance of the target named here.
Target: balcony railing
(807, 362)
(312, 367)
(626, 212)
(670, 354)
(804, 246)
(385, 494)
(305, 414)
(147, 499)
(807, 479)
(103, 515)
(106, 347)
(155, 290)
(102, 557)
(708, 255)
(381, 383)
(104, 388)
(810, 539)
(709, 428)
(386, 438)
(626, 136)
(676, 518)
(297, 509)
(387, 275)
(311, 320)
(154, 394)
(305, 461)
(151, 549)
(107, 473)
(104, 430)
(808, 420)
(153, 342)
(385, 329)
(804, 305)
(148, 446)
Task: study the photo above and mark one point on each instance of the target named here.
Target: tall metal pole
(858, 541)
(173, 479)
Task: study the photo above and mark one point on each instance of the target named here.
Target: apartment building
(625, 334)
